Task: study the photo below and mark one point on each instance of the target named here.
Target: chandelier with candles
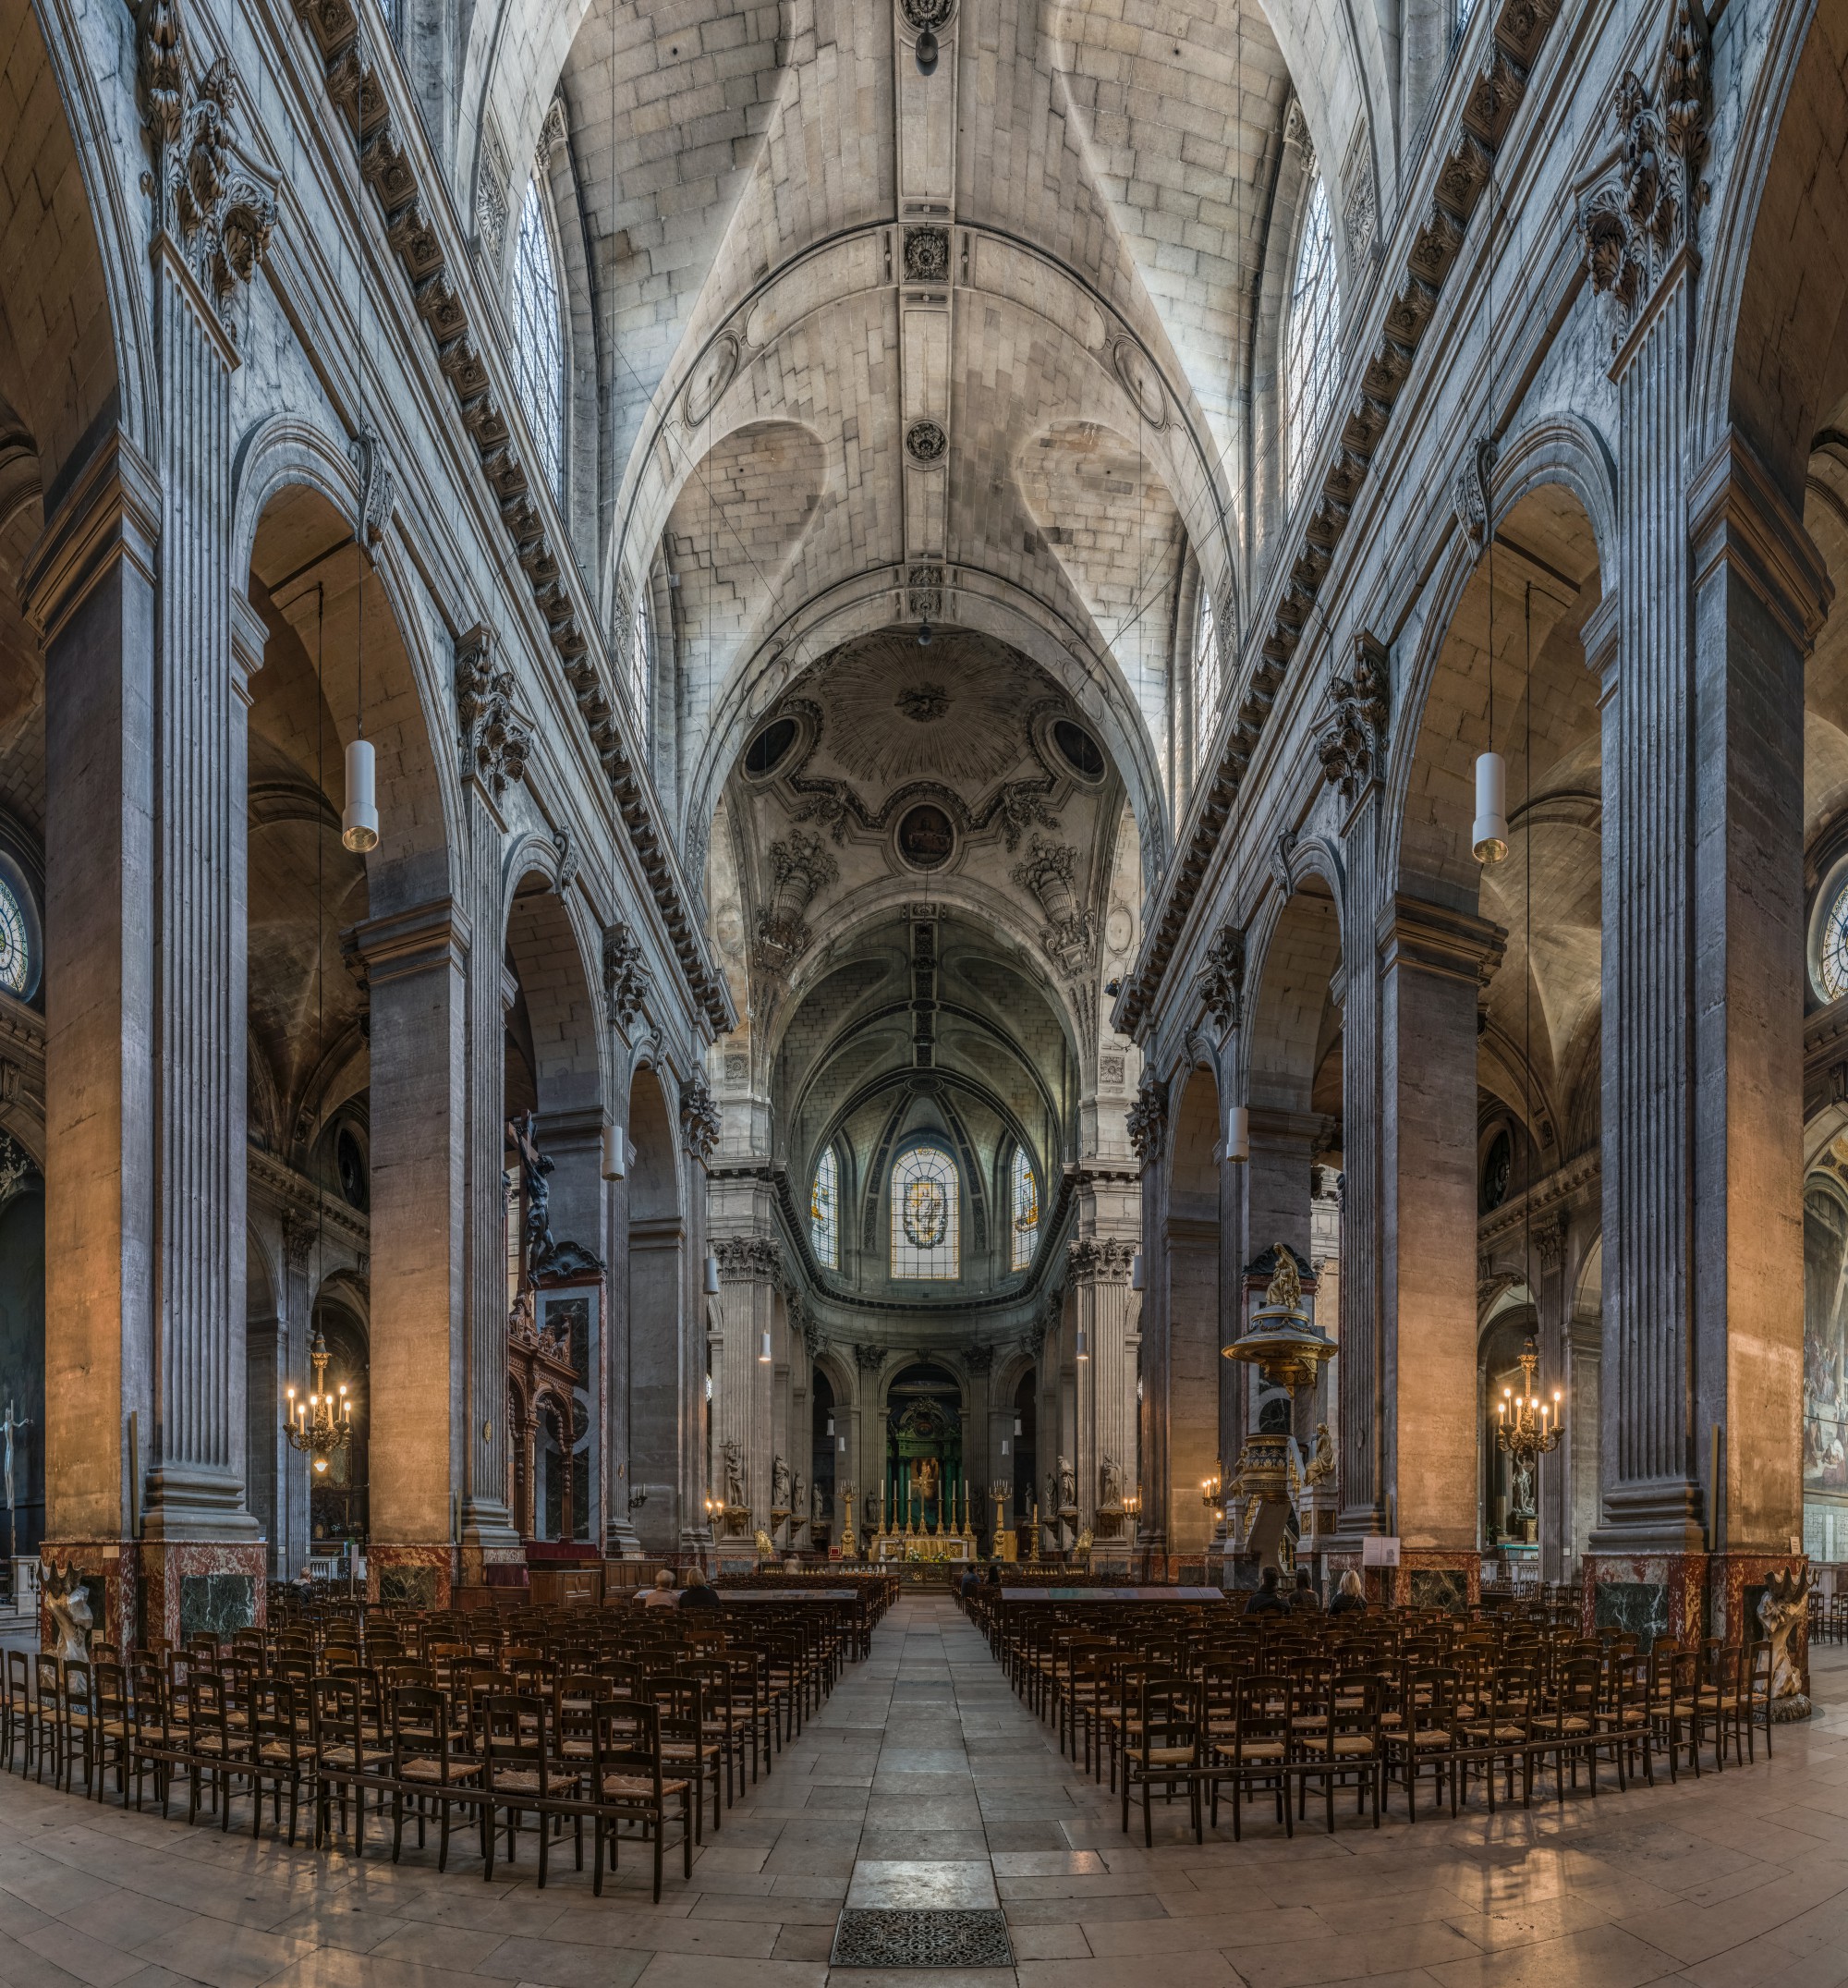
(321, 1423)
(1525, 1426)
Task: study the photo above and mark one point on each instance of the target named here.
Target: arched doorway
(925, 1482)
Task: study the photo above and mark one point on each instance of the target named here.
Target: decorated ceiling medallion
(932, 14)
(923, 704)
(927, 255)
(770, 748)
(925, 442)
(714, 373)
(1136, 375)
(926, 837)
(1082, 755)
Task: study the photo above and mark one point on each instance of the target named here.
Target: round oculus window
(1082, 754)
(1833, 953)
(768, 750)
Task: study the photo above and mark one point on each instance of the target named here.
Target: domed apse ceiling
(957, 773)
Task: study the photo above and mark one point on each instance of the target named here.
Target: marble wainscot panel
(1435, 1577)
(1652, 1594)
(193, 1585)
(411, 1576)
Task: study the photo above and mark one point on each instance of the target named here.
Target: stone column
(699, 1138)
(1432, 963)
(573, 1140)
(90, 590)
(1761, 595)
(742, 1383)
(1105, 1312)
(1718, 591)
(1547, 1277)
(493, 740)
(1353, 751)
(416, 962)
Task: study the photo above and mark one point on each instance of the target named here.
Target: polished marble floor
(923, 1782)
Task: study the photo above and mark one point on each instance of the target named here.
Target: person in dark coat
(1266, 1599)
(1351, 1598)
(1305, 1601)
(699, 1592)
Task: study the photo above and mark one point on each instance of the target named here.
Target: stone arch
(553, 955)
(1769, 358)
(1191, 1227)
(77, 351)
(301, 543)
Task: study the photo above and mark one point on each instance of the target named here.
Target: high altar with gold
(924, 1544)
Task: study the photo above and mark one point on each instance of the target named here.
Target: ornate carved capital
(979, 1359)
(1148, 1117)
(1220, 984)
(215, 201)
(1352, 745)
(868, 1358)
(1101, 1259)
(1641, 214)
(799, 868)
(748, 1257)
(699, 1119)
(378, 491)
(495, 739)
(625, 976)
(1472, 488)
(1550, 1240)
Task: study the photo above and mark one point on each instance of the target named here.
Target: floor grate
(866, 1937)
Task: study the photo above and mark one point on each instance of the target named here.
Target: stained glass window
(16, 945)
(539, 341)
(641, 661)
(924, 1214)
(1024, 1196)
(1834, 947)
(824, 1211)
(1206, 676)
(1313, 338)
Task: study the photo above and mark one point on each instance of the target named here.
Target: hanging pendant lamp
(359, 818)
(1239, 1134)
(1488, 838)
(615, 1154)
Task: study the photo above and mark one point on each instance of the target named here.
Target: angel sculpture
(1785, 1604)
(68, 1600)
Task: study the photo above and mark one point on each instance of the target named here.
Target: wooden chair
(1254, 1756)
(521, 1774)
(1162, 1747)
(1426, 1736)
(282, 1749)
(427, 1765)
(346, 1758)
(630, 1785)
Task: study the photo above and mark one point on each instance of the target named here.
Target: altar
(923, 1549)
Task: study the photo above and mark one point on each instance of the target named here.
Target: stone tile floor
(924, 1781)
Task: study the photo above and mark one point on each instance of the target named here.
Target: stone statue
(1782, 1606)
(798, 1500)
(534, 1166)
(68, 1600)
(1321, 1466)
(735, 1474)
(1286, 1288)
(1068, 1485)
(765, 1549)
(778, 1486)
(1524, 1490)
(1109, 1480)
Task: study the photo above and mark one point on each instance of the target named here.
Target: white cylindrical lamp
(1488, 838)
(359, 819)
(1239, 1134)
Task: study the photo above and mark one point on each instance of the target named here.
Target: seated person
(1305, 1601)
(1267, 1599)
(662, 1594)
(971, 1582)
(1351, 1598)
(699, 1592)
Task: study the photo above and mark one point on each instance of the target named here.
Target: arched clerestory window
(926, 1240)
(1023, 1198)
(824, 1210)
(1311, 338)
(538, 339)
(1206, 678)
(640, 664)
